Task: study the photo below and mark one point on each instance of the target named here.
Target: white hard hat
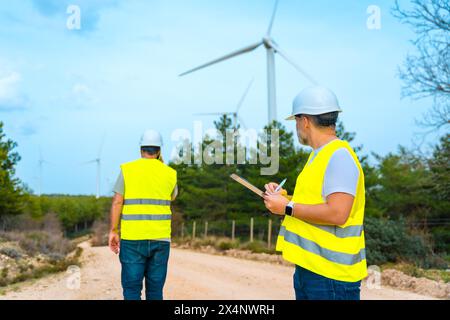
(151, 138)
(314, 100)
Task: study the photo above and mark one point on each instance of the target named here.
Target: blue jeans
(143, 259)
(311, 286)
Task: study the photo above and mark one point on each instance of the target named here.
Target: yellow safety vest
(335, 252)
(146, 213)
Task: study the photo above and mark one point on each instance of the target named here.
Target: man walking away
(143, 193)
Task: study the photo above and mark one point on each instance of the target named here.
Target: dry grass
(34, 249)
(100, 231)
(414, 271)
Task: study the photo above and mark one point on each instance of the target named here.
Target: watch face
(288, 210)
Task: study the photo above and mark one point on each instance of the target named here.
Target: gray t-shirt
(341, 174)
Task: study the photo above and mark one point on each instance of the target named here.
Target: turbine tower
(41, 163)
(271, 48)
(98, 162)
(235, 115)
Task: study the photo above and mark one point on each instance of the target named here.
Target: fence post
(251, 229)
(269, 234)
(206, 229)
(233, 228)
(182, 230)
(193, 230)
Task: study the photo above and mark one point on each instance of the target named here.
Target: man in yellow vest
(143, 192)
(322, 230)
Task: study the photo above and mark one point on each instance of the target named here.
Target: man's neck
(322, 139)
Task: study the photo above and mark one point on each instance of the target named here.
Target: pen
(280, 185)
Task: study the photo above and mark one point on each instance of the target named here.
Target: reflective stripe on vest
(311, 246)
(146, 212)
(147, 201)
(345, 232)
(336, 252)
(146, 217)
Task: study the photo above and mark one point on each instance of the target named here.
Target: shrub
(441, 238)
(391, 241)
(257, 247)
(227, 244)
(11, 252)
(35, 242)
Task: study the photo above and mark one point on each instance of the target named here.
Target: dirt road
(191, 275)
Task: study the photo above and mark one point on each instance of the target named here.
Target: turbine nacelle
(267, 42)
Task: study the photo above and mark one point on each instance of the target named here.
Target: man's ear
(306, 121)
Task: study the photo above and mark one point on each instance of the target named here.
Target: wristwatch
(289, 208)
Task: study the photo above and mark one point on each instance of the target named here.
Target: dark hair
(151, 150)
(322, 120)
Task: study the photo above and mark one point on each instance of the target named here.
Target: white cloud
(8, 85)
(80, 89)
(81, 96)
(10, 96)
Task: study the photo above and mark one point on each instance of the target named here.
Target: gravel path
(191, 275)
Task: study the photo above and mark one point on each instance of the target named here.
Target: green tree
(12, 191)
(403, 185)
(439, 166)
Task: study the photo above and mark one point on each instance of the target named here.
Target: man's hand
(271, 186)
(270, 189)
(114, 242)
(276, 203)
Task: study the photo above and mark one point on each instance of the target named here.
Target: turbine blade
(87, 162)
(244, 95)
(48, 162)
(269, 29)
(228, 56)
(100, 148)
(241, 122)
(291, 62)
(42, 160)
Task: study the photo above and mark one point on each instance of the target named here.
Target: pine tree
(12, 192)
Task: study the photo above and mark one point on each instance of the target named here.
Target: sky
(63, 90)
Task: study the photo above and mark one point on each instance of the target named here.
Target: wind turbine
(41, 163)
(110, 184)
(271, 48)
(234, 114)
(98, 162)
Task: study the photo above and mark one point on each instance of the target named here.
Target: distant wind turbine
(98, 162)
(41, 163)
(271, 48)
(110, 184)
(234, 114)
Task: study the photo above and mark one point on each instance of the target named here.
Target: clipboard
(247, 184)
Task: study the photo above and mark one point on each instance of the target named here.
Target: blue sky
(62, 90)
